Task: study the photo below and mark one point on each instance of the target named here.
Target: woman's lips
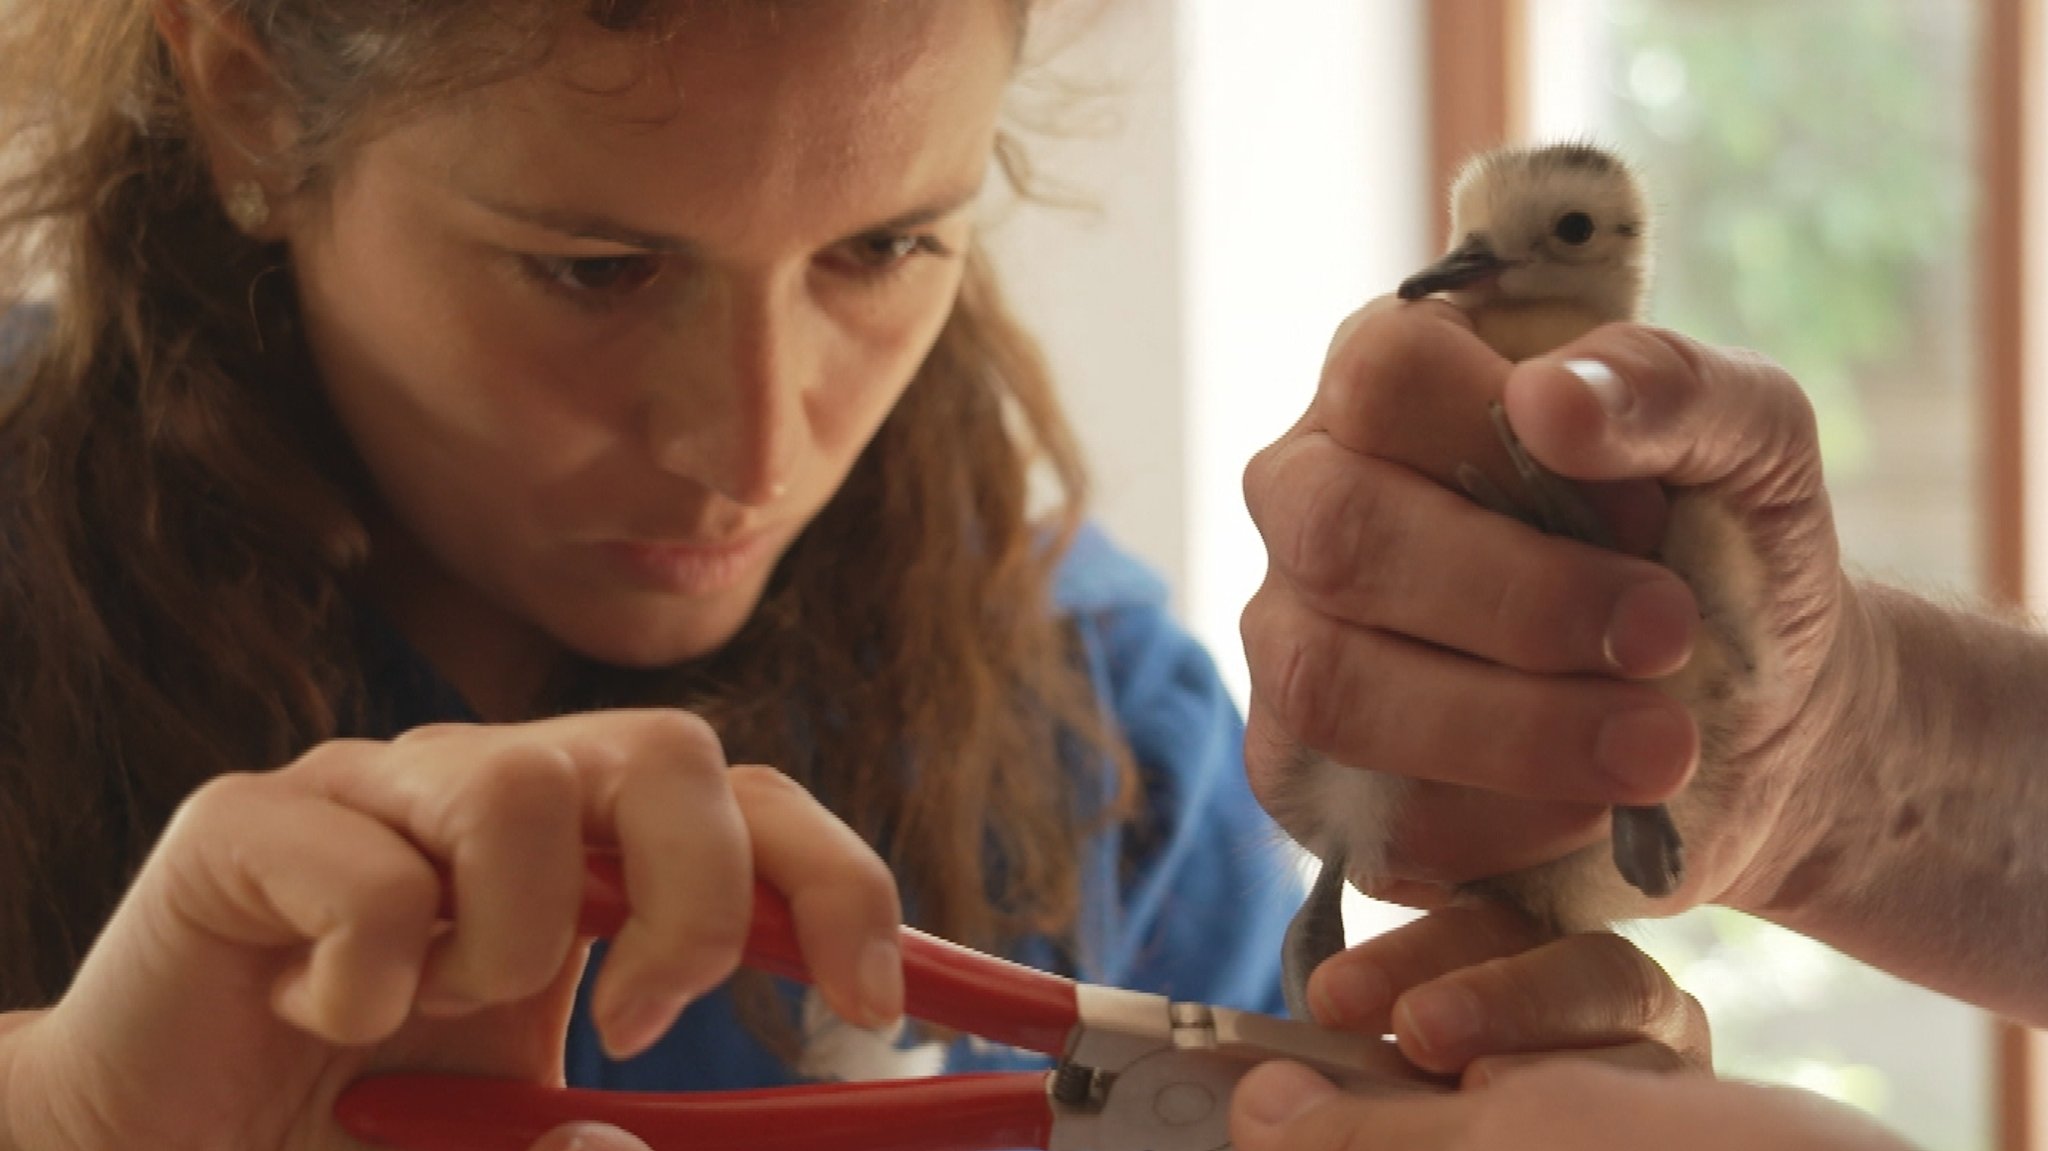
(688, 568)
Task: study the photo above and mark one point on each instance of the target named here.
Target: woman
(463, 430)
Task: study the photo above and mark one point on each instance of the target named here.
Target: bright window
(1814, 169)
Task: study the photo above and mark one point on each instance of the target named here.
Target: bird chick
(1547, 244)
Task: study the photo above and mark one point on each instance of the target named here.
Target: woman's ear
(240, 109)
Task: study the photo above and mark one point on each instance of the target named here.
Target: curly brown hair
(182, 526)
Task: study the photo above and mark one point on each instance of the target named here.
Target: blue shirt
(1189, 900)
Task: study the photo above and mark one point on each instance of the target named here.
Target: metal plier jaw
(1134, 1071)
(1147, 1074)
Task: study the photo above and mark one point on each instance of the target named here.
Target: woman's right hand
(283, 939)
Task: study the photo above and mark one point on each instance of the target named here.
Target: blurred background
(1843, 186)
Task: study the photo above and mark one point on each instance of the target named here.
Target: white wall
(1099, 282)
(1266, 179)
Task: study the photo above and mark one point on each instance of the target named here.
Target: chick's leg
(1315, 933)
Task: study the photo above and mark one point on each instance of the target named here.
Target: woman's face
(610, 334)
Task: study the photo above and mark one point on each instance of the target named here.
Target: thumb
(1633, 402)
(1283, 1106)
(588, 1137)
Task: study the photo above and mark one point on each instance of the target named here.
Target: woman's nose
(726, 409)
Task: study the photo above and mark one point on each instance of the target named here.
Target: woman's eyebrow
(604, 229)
(584, 225)
(937, 210)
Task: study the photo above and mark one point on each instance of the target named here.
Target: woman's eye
(881, 252)
(1573, 228)
(596, 277)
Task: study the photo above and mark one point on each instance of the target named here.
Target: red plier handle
(471, 1113)
(944, 983)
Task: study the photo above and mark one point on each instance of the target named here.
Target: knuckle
(218, 808)
(393, 893)
(1694, 1040)
(428, 733)
(756, 783)
(1514, 605)
(324, 759)
(672, 735)
(1258, 614)
(520, 783)
(1795, 408)
(1522, 1006)
(1272, 758)
(1343, 521)
(1301, 687)
(1261, 481)
(869, 882)
(1362, 379)
(1645, 999)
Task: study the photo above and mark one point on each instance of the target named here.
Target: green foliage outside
(1814, 163)
(1815, 157)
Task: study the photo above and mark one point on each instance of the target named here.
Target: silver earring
(248, 206)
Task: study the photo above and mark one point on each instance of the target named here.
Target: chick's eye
(1573, 228)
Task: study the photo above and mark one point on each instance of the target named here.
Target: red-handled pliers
(1136, 1072)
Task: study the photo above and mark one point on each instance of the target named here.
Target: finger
(1411, 383)
(350, 901)
(1633, 401)
(510, 808)
(1375, 544)
(1445, 834)
(1411, 709)
(660, 786)
(498, 808)
(1287, 1107)
(588, 1137)
(1583, 991)
(1355, 990)
(1641, 1056)
(841, 895)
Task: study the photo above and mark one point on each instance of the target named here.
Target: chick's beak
(1467, 264)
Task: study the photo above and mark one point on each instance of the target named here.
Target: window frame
(1477, 92)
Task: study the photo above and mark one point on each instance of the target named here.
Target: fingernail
(1278, 1092)
(881, 981)
(1645, 752)
(1444, 1020)
(1615, 397)
(1650, 632)
(1350, 993)
(598, 1137)
(633, 1025)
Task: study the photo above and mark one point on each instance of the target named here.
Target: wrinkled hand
(1403, 628)
(281, 940)
(1565, 1106)
(1478, 990)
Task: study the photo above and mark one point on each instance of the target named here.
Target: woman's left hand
(1475, 991)
(1563, 1105)
(1556, 1042)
